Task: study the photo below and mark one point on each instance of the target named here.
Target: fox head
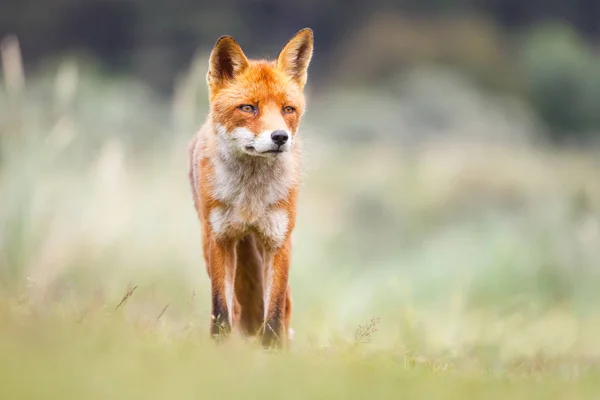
(256, 105)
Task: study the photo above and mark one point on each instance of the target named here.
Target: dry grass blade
(364, 332)
(162, 312)
(126, 297)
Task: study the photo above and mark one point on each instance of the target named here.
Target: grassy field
(106, 357)
(459, 267)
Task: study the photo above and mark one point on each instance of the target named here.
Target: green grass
(105, 356)
(453, 269)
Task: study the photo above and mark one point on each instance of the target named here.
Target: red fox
(244, 170)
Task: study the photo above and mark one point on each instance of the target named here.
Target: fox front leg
(274, 332)
(222, 275)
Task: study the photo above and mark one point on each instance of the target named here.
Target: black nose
(279, 137)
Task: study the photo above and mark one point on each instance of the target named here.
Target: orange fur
(245, 185)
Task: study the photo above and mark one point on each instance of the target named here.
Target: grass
(452, 269)
(107, 356)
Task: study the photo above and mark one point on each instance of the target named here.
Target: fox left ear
(226, 61)
(296, 55)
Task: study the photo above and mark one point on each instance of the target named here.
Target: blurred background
(451, 163)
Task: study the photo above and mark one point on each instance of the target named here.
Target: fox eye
(247, 108)
(289, 110)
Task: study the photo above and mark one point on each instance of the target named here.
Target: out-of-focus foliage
(494, 43)
(563, 76)
(431, 181)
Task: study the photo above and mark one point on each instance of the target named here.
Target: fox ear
(295, 56)
(226, 60)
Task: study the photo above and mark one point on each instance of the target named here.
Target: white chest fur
(249, 189)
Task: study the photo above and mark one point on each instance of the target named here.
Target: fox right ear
(296, 55)
(226, 60)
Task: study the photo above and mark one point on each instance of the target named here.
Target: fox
(244, 171)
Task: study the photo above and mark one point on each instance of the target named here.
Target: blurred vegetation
(543, 54)
(433, 183)
(564, 81)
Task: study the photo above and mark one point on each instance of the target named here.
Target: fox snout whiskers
(269, 143)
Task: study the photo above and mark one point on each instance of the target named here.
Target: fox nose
(279, 137)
